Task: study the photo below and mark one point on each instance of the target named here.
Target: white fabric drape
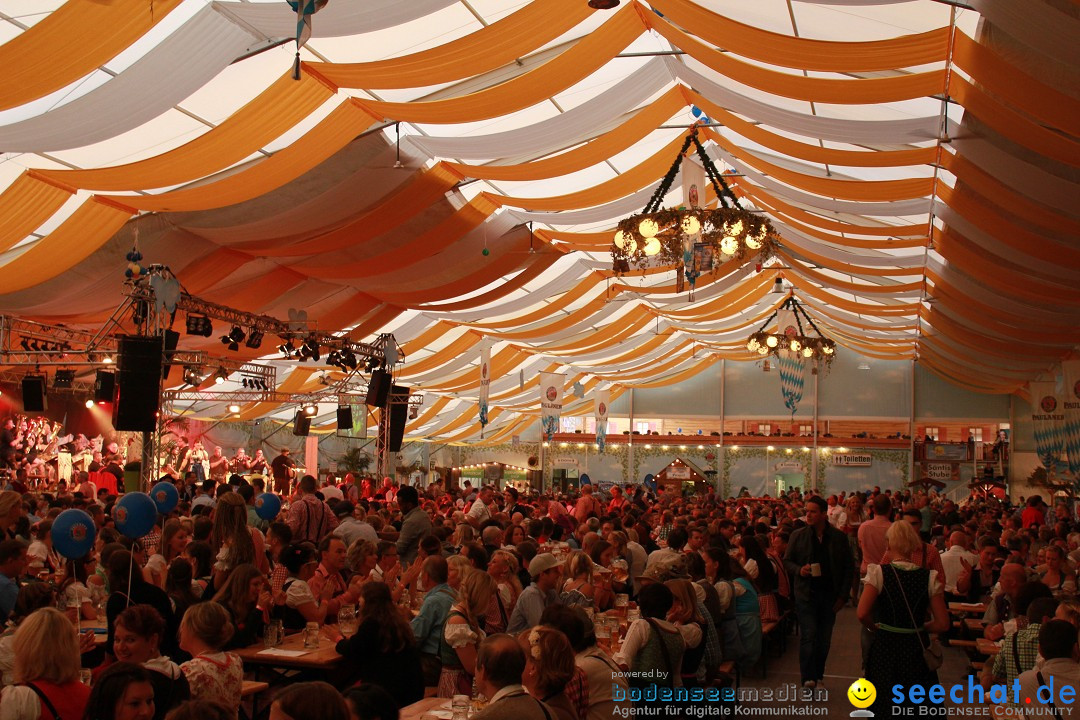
(337, 19)
(181, 64)
(1035, 23)
(871, 132)
(563, 130)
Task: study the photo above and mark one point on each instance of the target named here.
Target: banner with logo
(485, 384)
(790, 364)
(1047, 419)
(602, 398)
(1071, 410)
(551, 394)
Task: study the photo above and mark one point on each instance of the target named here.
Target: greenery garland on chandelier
(699, 237)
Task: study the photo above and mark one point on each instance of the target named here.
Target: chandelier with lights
(790, 337)
(697, 236)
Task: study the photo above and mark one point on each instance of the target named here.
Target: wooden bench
(970, 644)
(248, 691)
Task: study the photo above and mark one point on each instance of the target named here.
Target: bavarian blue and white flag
(485, 384)
(1071, 427)
(601, 398)
(791, 365)
(551, 397)
(304, 10)
(1047, 419)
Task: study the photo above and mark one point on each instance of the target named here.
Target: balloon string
(131, 566)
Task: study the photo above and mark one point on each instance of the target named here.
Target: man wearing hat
(546, 572)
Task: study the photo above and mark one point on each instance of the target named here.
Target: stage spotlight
(254, 339)
(199, 325)
(220, 375)
(234, 409)
(107, 359)
(234, 338)
(312, 346)
(192, 376)
(310, 410)
(63, 379)
(89, 404)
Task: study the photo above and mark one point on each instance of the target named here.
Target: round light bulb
(763, 350)
(808, 352)
(771, 341)
(795, 345)
(631, 246)
(691, 225)
(733, 228)
(620, 239)
(828, 350)
(652, 247)
(753, 345)
(729, 246)
(752, 243)
(648, 228)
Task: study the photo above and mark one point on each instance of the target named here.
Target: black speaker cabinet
(33, 393)
(138, 381)
(104, 386)
(344, 418)
(399, 411)
(301, 424)
(378, 388)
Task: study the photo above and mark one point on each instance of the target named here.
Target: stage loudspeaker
(138, 383)
(33, 393)
(378, 389)
(171, 339)
(344, 418)
(104, 387)
(399, 410)
(301, 424)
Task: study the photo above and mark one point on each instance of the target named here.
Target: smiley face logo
(862, 693)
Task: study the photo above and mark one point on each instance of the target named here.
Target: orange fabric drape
(26, 204)
(803, 53)
(1012, 124)
(87, 229)
(527, 89)
(861, 190)
(489, 48)
(413, 197)
(811, 89)
(281, 106)
(619, 186)
(1012, 84)
(71, 43)
(339, 127)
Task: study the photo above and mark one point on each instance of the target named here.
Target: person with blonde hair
(684, 612)
(578, 589)
(211, 673)
(47, 663)
(462, 634)
(896, 600)
(458, 569)
(503, 567)
(549, 667)
(360, 558)
(174, 541)
(233, 541)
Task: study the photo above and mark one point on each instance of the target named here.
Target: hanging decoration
(551, 396)
(1047, 420)
(692, 234)
(602, 398)
(1071, 411)
(485, 384)
(791, 365)
(304, 10)
(795, 339)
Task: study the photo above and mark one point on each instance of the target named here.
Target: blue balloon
(135, 515)
(165, 497)
(585, 479)
(696, 111)
(267, 506)
(73, 534)
(649, 478)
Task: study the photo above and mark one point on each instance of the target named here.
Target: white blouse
(875, 579)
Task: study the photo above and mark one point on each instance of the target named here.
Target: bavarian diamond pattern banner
(1047, 419)
(1071, 427)
(485, 384)
(791, 365)
(601, 398)
(551, 393)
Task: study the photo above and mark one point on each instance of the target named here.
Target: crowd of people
(496, 594)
